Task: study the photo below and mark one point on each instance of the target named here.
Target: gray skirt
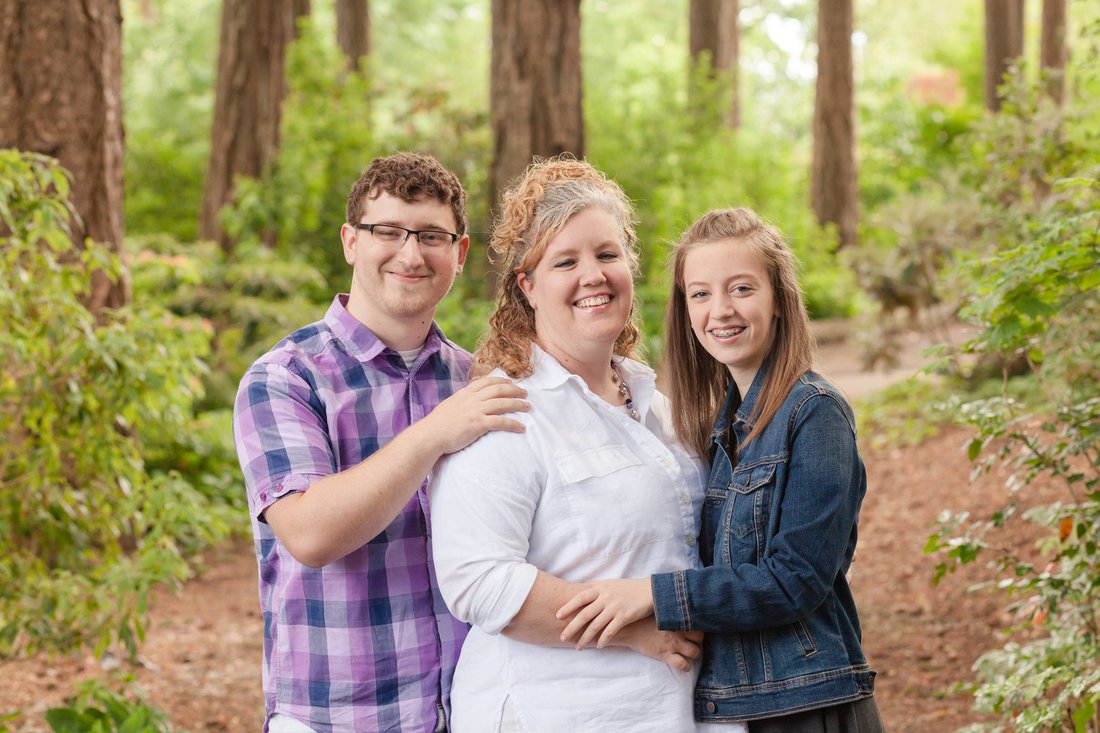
(860, 716)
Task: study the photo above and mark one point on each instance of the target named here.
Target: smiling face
(394, 291)
(581, 290)
(731, 305)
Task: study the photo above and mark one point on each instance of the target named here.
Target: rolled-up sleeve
(483, 502)
(281, 435)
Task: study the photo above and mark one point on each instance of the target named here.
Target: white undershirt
(409, 357)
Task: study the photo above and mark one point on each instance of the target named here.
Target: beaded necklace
(624, 390)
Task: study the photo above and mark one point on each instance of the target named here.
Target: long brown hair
(533, 212)
(697, 381)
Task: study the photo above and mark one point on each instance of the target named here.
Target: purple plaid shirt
(365, 643)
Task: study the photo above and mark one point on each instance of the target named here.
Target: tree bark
(353, 31)
(714, 31)
(248, 100)
(535, 85)
(299, 8)
(1052, 48)
(61, 94)
(1004, 43)
(835, 186)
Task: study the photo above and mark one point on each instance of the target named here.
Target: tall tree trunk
(61, 94)
(714, 31)
(1004, 43)
(353, 30)
(1052, 47)
(248, 100)
(535, 85)
(835, 186)
(298, 9)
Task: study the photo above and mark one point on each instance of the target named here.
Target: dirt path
(203, 649)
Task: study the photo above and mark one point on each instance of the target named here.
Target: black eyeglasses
(389, 235)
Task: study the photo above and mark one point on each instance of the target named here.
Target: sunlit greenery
(88, 526)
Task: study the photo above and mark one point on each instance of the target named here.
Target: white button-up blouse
(585, 493)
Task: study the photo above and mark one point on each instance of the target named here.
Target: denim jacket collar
(741, 408)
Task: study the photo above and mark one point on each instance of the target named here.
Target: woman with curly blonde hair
(595, 487)
(532, 213)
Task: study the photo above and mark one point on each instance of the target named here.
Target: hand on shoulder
(478, 408)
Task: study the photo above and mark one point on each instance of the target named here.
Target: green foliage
(86, 530)
(905, 413)
(248, 300)
(906, 143)
(170, 51)
(1035, 295)
(464, 313)
(920, 90)
(97, 709)
(6, 718)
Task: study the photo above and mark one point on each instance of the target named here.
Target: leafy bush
(86, 529)
(97, 709)
(907, 142)
(248, 299)
(1037, 297)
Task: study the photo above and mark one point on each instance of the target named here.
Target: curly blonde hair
(532, 212)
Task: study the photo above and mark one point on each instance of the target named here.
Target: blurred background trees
(951, 149)
(60, 95)
(248, 101)
(713, 35)
(535, 85)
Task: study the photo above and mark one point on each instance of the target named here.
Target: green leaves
(98, 709)
(1036, 296)
(87, 527)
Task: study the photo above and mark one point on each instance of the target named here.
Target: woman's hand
(607, 606)
(677, 649)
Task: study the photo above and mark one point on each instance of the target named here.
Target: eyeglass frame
(369, 228)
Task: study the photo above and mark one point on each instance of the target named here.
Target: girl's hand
(606, 606)
(677, 649)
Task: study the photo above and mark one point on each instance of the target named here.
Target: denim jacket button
(711, 707)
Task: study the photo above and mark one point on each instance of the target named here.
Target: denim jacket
(778, 534)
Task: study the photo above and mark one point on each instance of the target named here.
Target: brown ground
(202, 652)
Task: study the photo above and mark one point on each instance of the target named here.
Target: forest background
(973, 149)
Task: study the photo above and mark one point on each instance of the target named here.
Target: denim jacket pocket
(748, 484)
(744, 517)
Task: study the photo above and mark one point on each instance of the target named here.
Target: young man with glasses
(337, 428)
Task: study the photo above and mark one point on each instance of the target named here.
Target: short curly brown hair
(533, 211)
(409, 176)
